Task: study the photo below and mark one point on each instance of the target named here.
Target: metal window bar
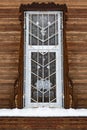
(48, 60)
(37, 58)
(43, 62)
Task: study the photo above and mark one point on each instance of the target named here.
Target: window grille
(43, 58)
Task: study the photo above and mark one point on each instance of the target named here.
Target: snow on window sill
(43, 112)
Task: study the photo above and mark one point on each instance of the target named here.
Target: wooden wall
(30, 123)
(76, 35)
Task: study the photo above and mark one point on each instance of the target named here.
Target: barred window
(43, 59)
(43, 63)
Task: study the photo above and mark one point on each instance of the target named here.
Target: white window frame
(27, 63)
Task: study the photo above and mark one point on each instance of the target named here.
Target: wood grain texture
(29, 123)
(76, 36)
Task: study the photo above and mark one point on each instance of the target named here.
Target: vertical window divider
(43, 62)
(37, 56)
(48, 60)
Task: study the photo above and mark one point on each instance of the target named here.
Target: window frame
(42, 7)
(57, 48)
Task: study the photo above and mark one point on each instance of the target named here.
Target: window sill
(43, 112)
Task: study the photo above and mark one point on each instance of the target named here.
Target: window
(43, 81)
(42, 66)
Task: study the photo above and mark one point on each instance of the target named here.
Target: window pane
(43, 29)
(43, 76)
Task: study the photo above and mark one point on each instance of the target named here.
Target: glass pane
(52, 40)
(43, 28)
(43, 76)
(40, 35)
(46, 42)
(34, 30)
(40, 97)
(41, 43)
(40, 71)
(45, 20)
(51, 18)
(46, 72)
(53, 94)
(52, 56)
(33, 67)
(56, 27)
(40, 58)
(56, 39)
(52, 67)
(46, 34)
(33, 79)
(52, 30)
(53, 79)
(34, 18)
(40, 19)
(34, 41)
(45, 59)
(46, 97)
(33, 94)
(34, 56)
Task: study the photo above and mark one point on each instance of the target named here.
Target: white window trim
(27, 68)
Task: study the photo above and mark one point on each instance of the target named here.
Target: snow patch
(43, 112)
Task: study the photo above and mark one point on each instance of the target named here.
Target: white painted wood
(28, 49)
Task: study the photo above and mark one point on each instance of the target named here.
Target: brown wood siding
(77, 53)
(76, 35)
(28, 123)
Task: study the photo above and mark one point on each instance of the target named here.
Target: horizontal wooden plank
(3, 97)
(77, 16)
(9, 57)
(9, 38)
(79, 58)
(30, 123)
(4, 102)
(77, 10)
(8, 16)
(6, 85)
(77, 6)
(8, 60)
(78, 81)
(81, 49)
(9, 21)
(8, 77)
(76, 36)
(77, 27)
(9, 65)
(78, 71)
(7, 89)
(57, 1)
(10, 11)
(9, 49)
(10, 27)
(77, 21)
(3, 71)
(74, 65)
(79, 77)
(81, 92)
